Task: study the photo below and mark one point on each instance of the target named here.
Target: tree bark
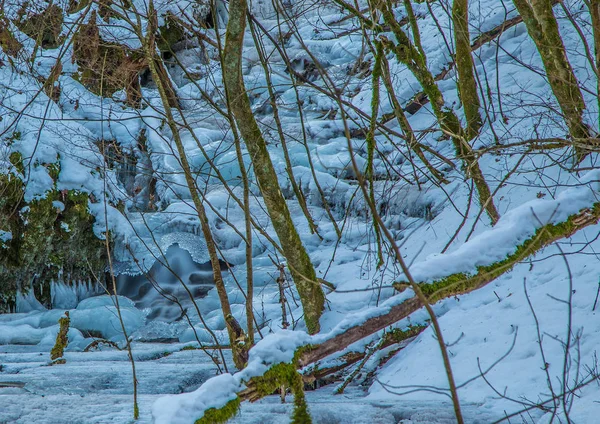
(302, 270)
(467, 86)
(542, 27)
(594, 6)
(409, 55)
(149, 45)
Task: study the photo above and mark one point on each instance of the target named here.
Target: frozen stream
(166, 282)
(95, 387)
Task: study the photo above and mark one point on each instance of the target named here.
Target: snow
(493, 328)
(24, 334)
(5, 236)
(512, 230)
(187, 407)
(97, 315)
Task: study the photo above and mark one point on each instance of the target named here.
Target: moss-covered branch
(542, 27)
(462, 283)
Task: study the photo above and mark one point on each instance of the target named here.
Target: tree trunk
(543, 29)
(409, 55)
(450, 286)
(594, 6)
(467, 86)
(301, 268)
(159, 74)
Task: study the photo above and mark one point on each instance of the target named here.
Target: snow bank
(188, 407)
(99, 314)
(25, 334)
(96, 316)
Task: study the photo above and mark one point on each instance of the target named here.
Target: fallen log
(450, 286)
(454, 285)
(395, 336)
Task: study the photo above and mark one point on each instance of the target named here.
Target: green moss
(11, 201)
(285, 375)
(136, 410)
(62, 338)
(49, 242)
(302, 350)
(106, 67)
(220, 415)
(8, 43)
(170, 33)
(53, 170)
(190, 348)
(77, 6)
(397, 335)
(16, 160)
(461, 283)
(300, 414)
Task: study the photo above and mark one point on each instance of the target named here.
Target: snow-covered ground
(494, 332)
(95, 387)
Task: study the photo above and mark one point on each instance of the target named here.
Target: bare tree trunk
(302, 270)
(239, 350)
(543, 29)
(594, 6)
(467, 86)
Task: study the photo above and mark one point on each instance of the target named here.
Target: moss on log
(462, 283)
(220, 415)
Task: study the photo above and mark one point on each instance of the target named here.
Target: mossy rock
(52, 238)
(170, 33)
